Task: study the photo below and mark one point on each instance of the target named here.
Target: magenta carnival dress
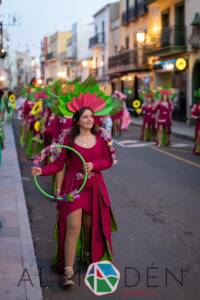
(148, 119)
(94, 198)
(149, 114)
(196, 113)
(164, 118)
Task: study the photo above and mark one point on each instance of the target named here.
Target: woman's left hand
(89, 167)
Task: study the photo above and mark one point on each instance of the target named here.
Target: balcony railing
(51, 55)
(168, 37)
(131, 59)
(98, 39)
(129, 16)
(134, 12)
(123, 59)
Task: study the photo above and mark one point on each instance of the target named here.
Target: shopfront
(172, 73)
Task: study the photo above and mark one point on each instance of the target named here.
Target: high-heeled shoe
(68, 275)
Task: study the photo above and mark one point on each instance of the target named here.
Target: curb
(27, 250)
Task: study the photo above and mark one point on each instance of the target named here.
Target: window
(103, 27)
(116, 49)
(127, 43)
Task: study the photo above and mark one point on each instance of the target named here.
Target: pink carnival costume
(93, 199)
(164, 115)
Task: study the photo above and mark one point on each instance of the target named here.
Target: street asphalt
(156, 200)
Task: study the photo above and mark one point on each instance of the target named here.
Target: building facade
(79, 56)
(166, 48)
(193, 34)
(54, 62)
(128, 67)
(102, 40)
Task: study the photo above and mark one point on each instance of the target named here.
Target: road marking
(176, 157)
(133, 143)
(140, 144)
(180, 145)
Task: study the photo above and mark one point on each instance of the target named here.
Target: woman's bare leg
(146, 126)
(72, 233)
(159, 137)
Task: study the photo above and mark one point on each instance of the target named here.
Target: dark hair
(163, 95)
(75, 130)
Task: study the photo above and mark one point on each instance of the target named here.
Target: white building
(104, 37)
(78, 59)
(23, 73)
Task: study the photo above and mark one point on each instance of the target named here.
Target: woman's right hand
(36, 171)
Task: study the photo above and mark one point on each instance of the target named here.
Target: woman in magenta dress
(195, 114)
(90, 214)
(164, 110)
(148, 110)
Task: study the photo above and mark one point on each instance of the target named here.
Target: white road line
(140, 144)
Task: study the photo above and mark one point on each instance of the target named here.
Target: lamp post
(2, 50)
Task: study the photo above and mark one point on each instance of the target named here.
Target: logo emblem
(102, 278)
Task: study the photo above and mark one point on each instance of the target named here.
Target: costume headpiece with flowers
(85, 96)
(171, 93)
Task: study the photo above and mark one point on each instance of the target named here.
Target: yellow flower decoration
(136, 103)
(106, 89)
(37, 126)
(138, 111)
(37, 108)
(12, 98)
(67, 88)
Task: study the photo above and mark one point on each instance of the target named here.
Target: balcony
(133, 12)
(51, 56)
(97, 41)
(129, 16)
(170, 40)
(130, 60)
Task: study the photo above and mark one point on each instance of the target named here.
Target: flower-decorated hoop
(53, 149)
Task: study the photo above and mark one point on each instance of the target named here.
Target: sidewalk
(178, 128)
(16, 245)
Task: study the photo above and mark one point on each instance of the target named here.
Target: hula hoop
(74, 194)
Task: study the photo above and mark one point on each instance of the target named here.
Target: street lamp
(2, 50)
(84, 63)
(140, 36)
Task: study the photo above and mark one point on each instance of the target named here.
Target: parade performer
(88, 220)
(148, 110)
(2, 106)
(164, 109)
(195, 114)
(117, 117)
(125, 115)
(9, 104)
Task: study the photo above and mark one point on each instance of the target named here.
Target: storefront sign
(169, 65)
(181, 64)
